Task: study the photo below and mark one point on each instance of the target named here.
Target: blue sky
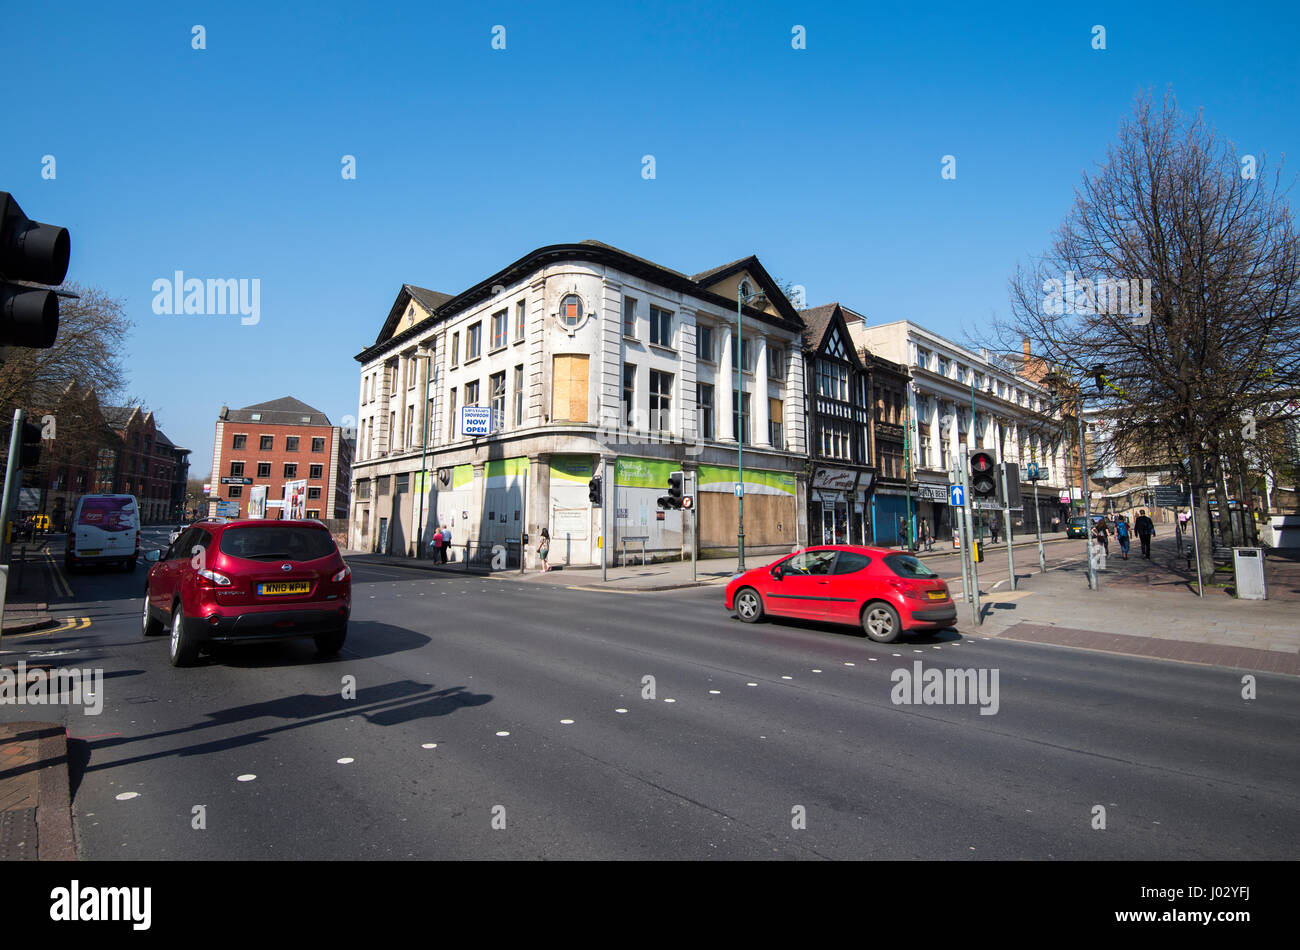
(825, 162)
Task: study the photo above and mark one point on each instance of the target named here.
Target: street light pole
(741, 297)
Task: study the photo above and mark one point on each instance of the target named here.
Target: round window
(571, 310)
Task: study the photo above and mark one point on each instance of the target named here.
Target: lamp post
(741, 298)
(424, 447)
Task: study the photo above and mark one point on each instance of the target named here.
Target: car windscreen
(289, 543)
(904, 565)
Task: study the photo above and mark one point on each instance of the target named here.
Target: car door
(849, 587)
(804, 589)
(165, 577)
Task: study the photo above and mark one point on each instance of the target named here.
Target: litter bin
(1248, 569)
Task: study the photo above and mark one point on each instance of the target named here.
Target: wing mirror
(155, 555)
(778, 572)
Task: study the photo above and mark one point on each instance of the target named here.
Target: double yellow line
(61, 584)
(69, 624)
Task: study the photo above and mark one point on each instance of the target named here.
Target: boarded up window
(569, 388)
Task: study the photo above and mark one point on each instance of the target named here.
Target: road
(495, 718)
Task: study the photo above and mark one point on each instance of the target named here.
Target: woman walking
(544, 549)
(1121, 533)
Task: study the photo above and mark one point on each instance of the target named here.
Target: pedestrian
(1121, 533)
(902, 533)
(1101, 534)
(926, 538)
(993, 529)
(446, 544)
(1146, 530)
(544, 549)
(436, 544)
(1056, 524)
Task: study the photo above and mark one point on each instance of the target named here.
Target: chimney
(225, 411)
(1025, 343)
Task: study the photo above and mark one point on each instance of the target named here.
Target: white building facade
(961, 401)
(582, 361)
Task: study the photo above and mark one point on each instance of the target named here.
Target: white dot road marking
(247, 777)
(127, 795)
(503, 733)
(816, 671)
(787, 677)
(429, 745)
(874, 660)
(670, 700)
(620, 710)
(566, 722)
(346, 761)
(751, 684)
(715, 692)
(850, 664)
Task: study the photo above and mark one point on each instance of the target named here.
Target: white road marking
(503, 733)
(429, 745)
(246, 777)
(670, 700)
(346, 761)
(566, 722)
(125, 796)
(620, 710)
(715, 692)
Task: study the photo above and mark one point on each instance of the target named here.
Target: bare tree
(1170, 294)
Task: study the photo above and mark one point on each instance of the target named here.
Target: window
(943, 366)
(629, 317)
(740, 415)
(451, 414)
(473, 343)
(267, 443)
(363, 489)
(290, 469)
(236, 491)
(392, 379)
(850, 563)
(570, 377)
(499, 329)
(313, 493)
(661, 391)
(520, 318)
(497, 385)
(392, 430)
(661, 327)
(410, 425)
(313, 513)
(256, 417)
(775, 362)
(236, 468)
(571, 310)
(291, 443)
(741, 354)
(316, 471)
(705, 392)
(775, 423)
(922, 358)
(629, 393)
(411, 373)
(263, 469)
(519, 395)
(240, 441)
(318, 444)
(832, 380)
(704, 343)
(455, 349)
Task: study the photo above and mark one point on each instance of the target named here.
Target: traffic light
(33, 252)
(31, 446)
(593, 491)
(673, 500)
(983, 478)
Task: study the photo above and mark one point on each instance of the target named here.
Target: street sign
(1035, 472)
(235, 480)
(740, 490)
(1170, 496)
(475, 420)
(956, 497)
(688, 501)
(1063, 497)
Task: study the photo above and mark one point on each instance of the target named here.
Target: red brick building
(273, 443)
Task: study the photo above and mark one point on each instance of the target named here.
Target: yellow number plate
(288, 587)
(936, 594)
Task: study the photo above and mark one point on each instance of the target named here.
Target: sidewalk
(31, 588)
(1151, 609)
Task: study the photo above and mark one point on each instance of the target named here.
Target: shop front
(836, 513)
(932, 505)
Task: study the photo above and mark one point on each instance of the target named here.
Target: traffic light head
(37, 253)
(983, 484)
(593, 491)
(673, 500)
(31, 446)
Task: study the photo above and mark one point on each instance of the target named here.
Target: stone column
(725, 428)
(759, 407)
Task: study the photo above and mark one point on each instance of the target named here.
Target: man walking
(1145, 529)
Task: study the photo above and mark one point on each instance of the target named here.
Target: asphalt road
(482, 702)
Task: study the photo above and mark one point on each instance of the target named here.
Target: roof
(817, 319)
(285, 411)
(118, 416)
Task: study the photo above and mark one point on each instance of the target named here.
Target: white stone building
(593, 361)
(1013, 416)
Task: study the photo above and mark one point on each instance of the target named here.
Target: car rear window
(904, 565)
(290, 543)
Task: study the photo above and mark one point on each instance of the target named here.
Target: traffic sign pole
(970, 543)
(1038, 522)
(958, 499)
(1006, 516)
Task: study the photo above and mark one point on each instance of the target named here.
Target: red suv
(240, 581)
(886, 591)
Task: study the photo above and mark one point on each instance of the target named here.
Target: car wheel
(328, 644)
(184, 648)
(148, 625)
(749, 606)
(880, 622)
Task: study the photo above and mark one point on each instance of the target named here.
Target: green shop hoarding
(572, 468)
(723, 478)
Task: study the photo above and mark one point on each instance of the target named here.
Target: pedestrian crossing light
(673, 500)
(30, 253)
(593, 491)
(31, 446)
(983, 482)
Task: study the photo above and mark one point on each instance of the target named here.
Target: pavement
(35, 800)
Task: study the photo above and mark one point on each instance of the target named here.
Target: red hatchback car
(885, 591)
(240, 581)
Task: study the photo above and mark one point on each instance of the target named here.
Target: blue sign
(956, 497)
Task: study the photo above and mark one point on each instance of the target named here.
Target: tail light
(213, 580)
(342, 575)
(907, 590)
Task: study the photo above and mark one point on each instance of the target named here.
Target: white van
(103, 529)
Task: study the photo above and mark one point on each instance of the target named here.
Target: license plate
(90, 551)
(286, 587)
(936, 594)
